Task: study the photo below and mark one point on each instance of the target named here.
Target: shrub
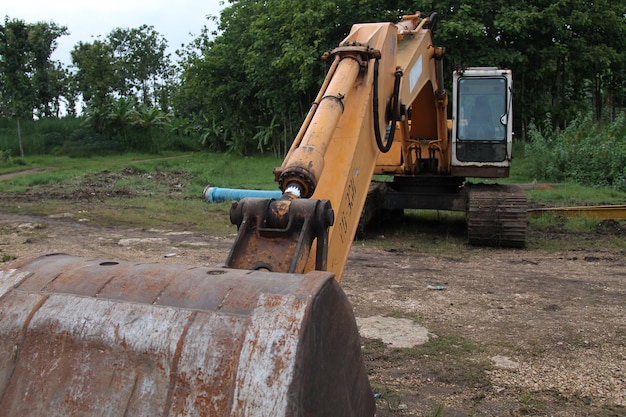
(585, 152)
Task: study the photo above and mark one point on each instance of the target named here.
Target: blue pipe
(219, 195)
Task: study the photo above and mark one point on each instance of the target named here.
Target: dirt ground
(510, 332)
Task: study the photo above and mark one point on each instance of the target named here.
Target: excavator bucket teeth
(87, 337)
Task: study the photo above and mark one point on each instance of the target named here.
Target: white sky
(179, 21)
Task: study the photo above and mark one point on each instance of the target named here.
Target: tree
(265, 63)
(141, 62)
(70, 92)
(47, 75)
(17, 91)
(566, 55)
(26, 69)
(95, 71)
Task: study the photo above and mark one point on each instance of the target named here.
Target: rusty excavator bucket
(88, 337)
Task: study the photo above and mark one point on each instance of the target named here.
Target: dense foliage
(247, 86)
(262, 71)
(584, 153)
(567, 56)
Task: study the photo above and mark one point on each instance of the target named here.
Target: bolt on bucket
(86, 337)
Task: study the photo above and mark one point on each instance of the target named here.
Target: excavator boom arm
(334, 156)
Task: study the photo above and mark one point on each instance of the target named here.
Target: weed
(585, 153)
(450, 358)
(399, 314)
(388, 400)
(6, 257)
(528, 404)
(437, 411)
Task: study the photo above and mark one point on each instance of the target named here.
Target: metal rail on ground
(616, 212)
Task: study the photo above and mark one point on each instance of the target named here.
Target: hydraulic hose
(390, 133)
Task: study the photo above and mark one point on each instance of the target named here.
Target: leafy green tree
(263, 68)
(70, 92)
(95, 74)
(17, 92)
(567, 56)
(26, 71)
(47, 76)
(120, 118)
(58, 82)
(141, 61)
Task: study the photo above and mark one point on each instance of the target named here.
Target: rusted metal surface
(87, 337)
(277, 235)
(616, 212)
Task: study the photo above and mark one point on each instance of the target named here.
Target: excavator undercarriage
(495, 214)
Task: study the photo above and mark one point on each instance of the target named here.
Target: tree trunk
(19, 137)
(597, 97)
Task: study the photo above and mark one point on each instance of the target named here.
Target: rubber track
(496, 216)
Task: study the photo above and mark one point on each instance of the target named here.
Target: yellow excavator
(270, 333)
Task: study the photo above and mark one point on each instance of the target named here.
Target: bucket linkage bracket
(278, 235)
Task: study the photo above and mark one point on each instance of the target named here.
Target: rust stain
(230, 349)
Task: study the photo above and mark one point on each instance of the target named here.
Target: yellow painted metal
(352, 151)
(309, 156)
(424, 132)
(617, 212)
(307, 121)
(335, 154)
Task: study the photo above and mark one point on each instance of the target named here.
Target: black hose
(391, 131)
(432, 22)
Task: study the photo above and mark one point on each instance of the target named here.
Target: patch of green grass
(399, 314)
(139, 185)
(388, 400)
(554, 232)
(572, 224)
(446, 345)
(6, 257)
(520, 166)
(144, 212)
(529, 404)
(452, 359)
(568, 194)
(374, 347)
(203, 168)
(437, 411)
(156, 176)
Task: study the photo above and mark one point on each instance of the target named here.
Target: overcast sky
(85, 20)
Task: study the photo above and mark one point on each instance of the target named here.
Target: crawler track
(496, 216)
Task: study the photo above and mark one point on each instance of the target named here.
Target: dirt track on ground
(514, 332)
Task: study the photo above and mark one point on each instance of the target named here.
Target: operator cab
(482, 122)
